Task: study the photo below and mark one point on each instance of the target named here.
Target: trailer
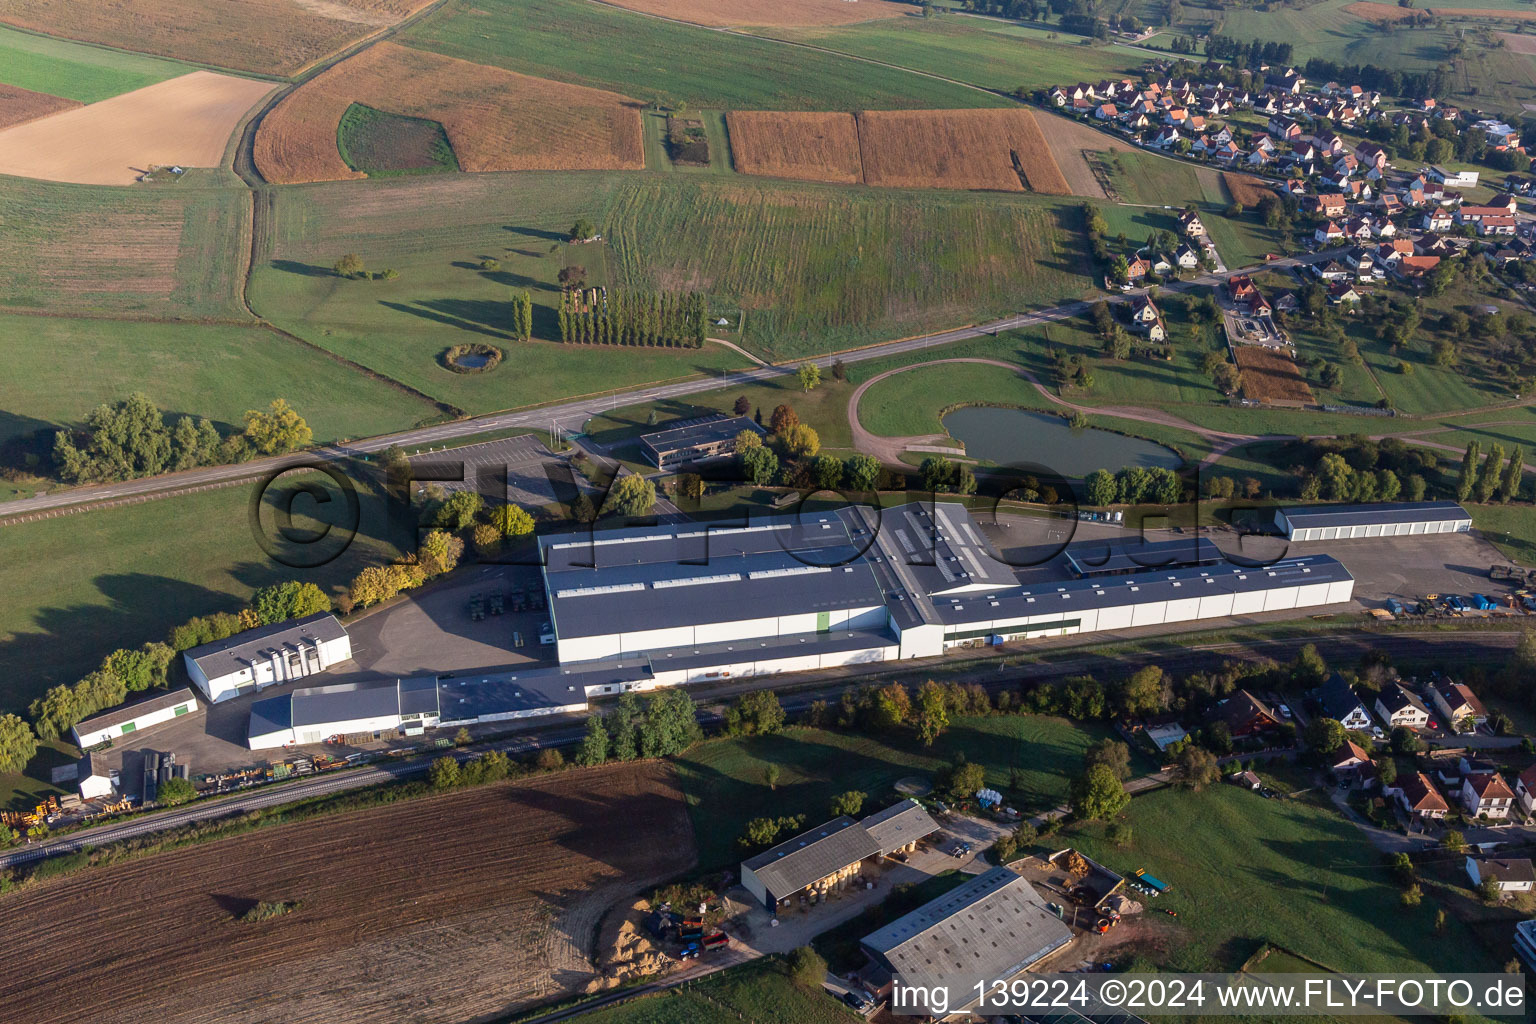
(1155, 884)
(1482, 604)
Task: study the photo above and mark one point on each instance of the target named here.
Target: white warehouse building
(131, 718)
(267, 655)
(1386, 519)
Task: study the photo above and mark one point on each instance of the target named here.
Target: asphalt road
(1341, 649)
(569, 415)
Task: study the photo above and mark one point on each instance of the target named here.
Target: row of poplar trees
(675, 319)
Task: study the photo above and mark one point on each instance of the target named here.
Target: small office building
(697, 440)
(1385, 519)
(258, 658)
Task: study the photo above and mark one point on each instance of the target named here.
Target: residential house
(1336, 699)
(1413, 268)
(1328, 233)
(1166, 137)
(1329, 205)
(1486, 794)
(1436, 220)
(1189, 223)
(1496, 226)
(1357, 230)
(1342, 293)
(1418, 797)
(1284, 128)
(1510, 874)
(1453, 179)
(1137, 269)
(1332, 270)
(1398, 706)
(1244, 715)
(1372, 156)
(1106, 112)
(1525, 791)
(1147, 319)
(1458, 705)
(1351, 763)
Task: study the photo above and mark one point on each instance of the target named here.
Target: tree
(582, 230)
(1488, 479)
(279, 602)
(670, 725)
(18, 745)
(1331, 376)
(937, 472)
(743, 405)
(459, 510)
(440, 552)
(861, 472)
(1309, 669)
(279, 429)
(758, 713)
(572, 278)
(801, 441)
(1113, 754)
(625, 728)
(511, 521)
(632, 496)
(349, 266)
(932, 712)
(1146, 692)
(827, 471)
(1386, 771)
(445, 773)
(1101, 488)
(1196, 767)
(747, 440)
(690, 486)
(809, 376)
(146, 666)
(1413, 895)
(549, 760)
(1406, 741)
(1454, 841)
(1468, 475)
(174, 792)
(1120, 834)
(807, 969)
(771, 773)
(759, 464)
(121, 440)
(594, 745)
(582, 509)
(964, 781)
(1325, 735)
(1098, 794)
(1510, 486)
(1488, 889)
(782, 419)
(849, 803)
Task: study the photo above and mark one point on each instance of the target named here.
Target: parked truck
(1156, 884)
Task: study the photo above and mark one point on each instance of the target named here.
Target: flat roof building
(1385, 519)
(258, 658)
(987, 930)
(131, 718)
(698, 440)
(1120, 558)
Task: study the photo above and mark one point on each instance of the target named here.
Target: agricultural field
(271, 37)
(1271, 376)
(18, 106)
(378, 143)
(1071, 142)
(659, 150)
(729, 13)
(604, 47)
(80, 586)
(1296, 873)
(435, 231)
(464, 906)
(989, 54)
(60, 369)
(495, 120)
(139, 252)
(803, 145)
(724, 788)
(74, 71)
(184, 121)
(758, 992)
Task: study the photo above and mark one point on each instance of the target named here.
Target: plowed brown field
(449, 908)
(1244, 189)
(969, 149)
(775, 13)
(1071, 141)
(18, 106)
(278, 37)
(1482, 12)
(1379, 13)
(496, 120)
(803, 145)
(1271, 376)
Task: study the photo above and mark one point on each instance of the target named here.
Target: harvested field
(1519, 42)
(1271, 376)
(801, 145)
(1245, 189)
(186, 121)
(965, 149)
(769, 13)
(495, 120)
(1482, 12)
(458, 907)
(277, 37)
(1379, 14)
(18, 106)
(1070, 141)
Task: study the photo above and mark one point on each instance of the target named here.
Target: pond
(1016, 437)
(472, 361)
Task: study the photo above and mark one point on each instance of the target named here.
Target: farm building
(92, 778)
(316, 713)
(987, 930)
(694, 602)
(697, 440)
(1387, 519)
(258, 658)
(132, 718)
(828, 856)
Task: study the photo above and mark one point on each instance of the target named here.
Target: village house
(1525, 791)
(1510, 874)
(1244, 715)
(1147, 319)
(1351, 764)
(1336, 699)
(1397, 706)
(1328, 233)
(1418, 797)
(1486, 794)
(1189, 223)
(1457, 703)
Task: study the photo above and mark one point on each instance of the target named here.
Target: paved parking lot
(534, 475)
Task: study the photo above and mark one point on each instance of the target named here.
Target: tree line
(672, 319)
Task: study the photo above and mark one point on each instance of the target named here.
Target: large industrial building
(267, 655)
(1386, 519)
(985, 931)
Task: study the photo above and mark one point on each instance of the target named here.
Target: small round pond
(1010, 437)
(472, 361)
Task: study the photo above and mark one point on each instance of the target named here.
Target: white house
(262, 657)
(132, 718)
(1486, 794)
(1512, 874)
(1462, 710)
(1398, 707)
(1525, 790)
(1453, 179)
(1337, 700)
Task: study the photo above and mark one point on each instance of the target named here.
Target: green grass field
(1245, 870)
(724, 785)
(759, 992)
(1510, 528)
(381, 143)
(985, 53)
(132, 251)
(654, 60)
(76, 71)
(79, 586)
(657, 157)
(58, 370)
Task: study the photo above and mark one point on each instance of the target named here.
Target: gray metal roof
(271, 715)
(899, 824)
(463, 698)
(1107, 557)
(132, 712)
(811, 856)
(988, 929)
(344, 702)
(709, 431)
(1070, 596)
(1315, 516)
(936, 549)
(418, 695)
(222, 657)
